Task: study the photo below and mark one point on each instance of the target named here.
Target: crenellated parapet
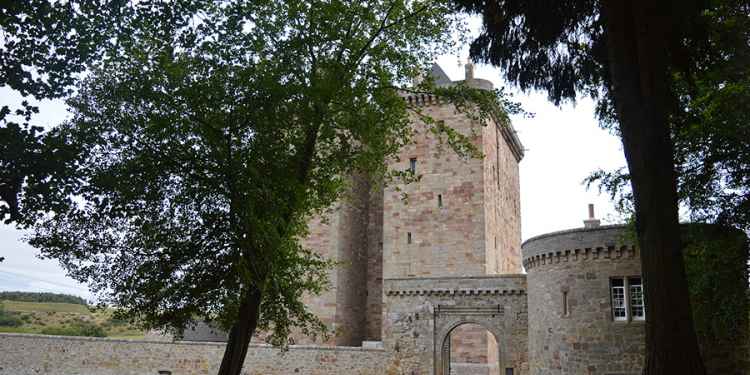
(494, 285)
(577, 255)
(455, 292)
(581, 244)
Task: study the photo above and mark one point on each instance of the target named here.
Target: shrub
(8, 319)
(76, 329)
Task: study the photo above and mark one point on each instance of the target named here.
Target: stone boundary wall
(26, 354)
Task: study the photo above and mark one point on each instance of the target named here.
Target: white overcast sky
(563, 146)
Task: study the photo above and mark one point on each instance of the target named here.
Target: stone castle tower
(462, 218)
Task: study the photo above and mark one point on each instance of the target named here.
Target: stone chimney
(592, 221)
(469, 70)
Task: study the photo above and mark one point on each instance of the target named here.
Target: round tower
(585, 301)
(586, 305)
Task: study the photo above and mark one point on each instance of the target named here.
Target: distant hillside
(42, 297)
(64, 319)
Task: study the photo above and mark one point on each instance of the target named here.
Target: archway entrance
(420, 315)
(471, 350)
(466, 340)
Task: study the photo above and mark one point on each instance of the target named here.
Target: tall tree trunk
(636, 38)
(241, 333)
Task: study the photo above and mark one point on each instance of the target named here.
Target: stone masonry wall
(323, 239)
(374, 292)
(587, 340)
(447, 240)
(420, 314)
(352, 252)
(36, 354)
(581, 262)
(344, 234)
(502, 209)
(444, 212)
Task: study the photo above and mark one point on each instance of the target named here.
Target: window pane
(637, 307)
(619, 309)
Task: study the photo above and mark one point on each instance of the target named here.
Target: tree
(45, 45)
(34, 167)
(624, 53)
(709, 129)
(213, 135)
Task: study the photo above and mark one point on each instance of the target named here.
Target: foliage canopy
(216, 130)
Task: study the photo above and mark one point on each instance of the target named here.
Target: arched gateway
(449, 318)
(421, 313)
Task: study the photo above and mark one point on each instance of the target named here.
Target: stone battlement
(495, 285)
(573, 255)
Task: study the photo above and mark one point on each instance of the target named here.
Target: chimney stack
(469, 70)
(592, 221)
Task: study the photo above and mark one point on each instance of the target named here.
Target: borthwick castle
(432, 284)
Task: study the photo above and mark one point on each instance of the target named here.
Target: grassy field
(60, 318)
(17, 306)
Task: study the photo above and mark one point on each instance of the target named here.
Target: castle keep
(438, 283)
(462, 218)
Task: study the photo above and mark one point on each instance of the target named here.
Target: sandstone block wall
(36, 354)
(374, 292)
(581, 262)
(352, 251)
(323, 239)
(462, 218)
(447, 240)
(587, 340)
(473, 350)
(502, 203)
(421, 313)
(350, 235)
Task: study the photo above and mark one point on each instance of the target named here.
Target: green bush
(115, 322)
(8, 319)
(716, 268)
(76, 329)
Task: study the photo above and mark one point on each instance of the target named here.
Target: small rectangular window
(619, 304)
(440, 200)
(408, 237)
(413, 165)
(566, 312)
(509, 371)
(637, 307)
